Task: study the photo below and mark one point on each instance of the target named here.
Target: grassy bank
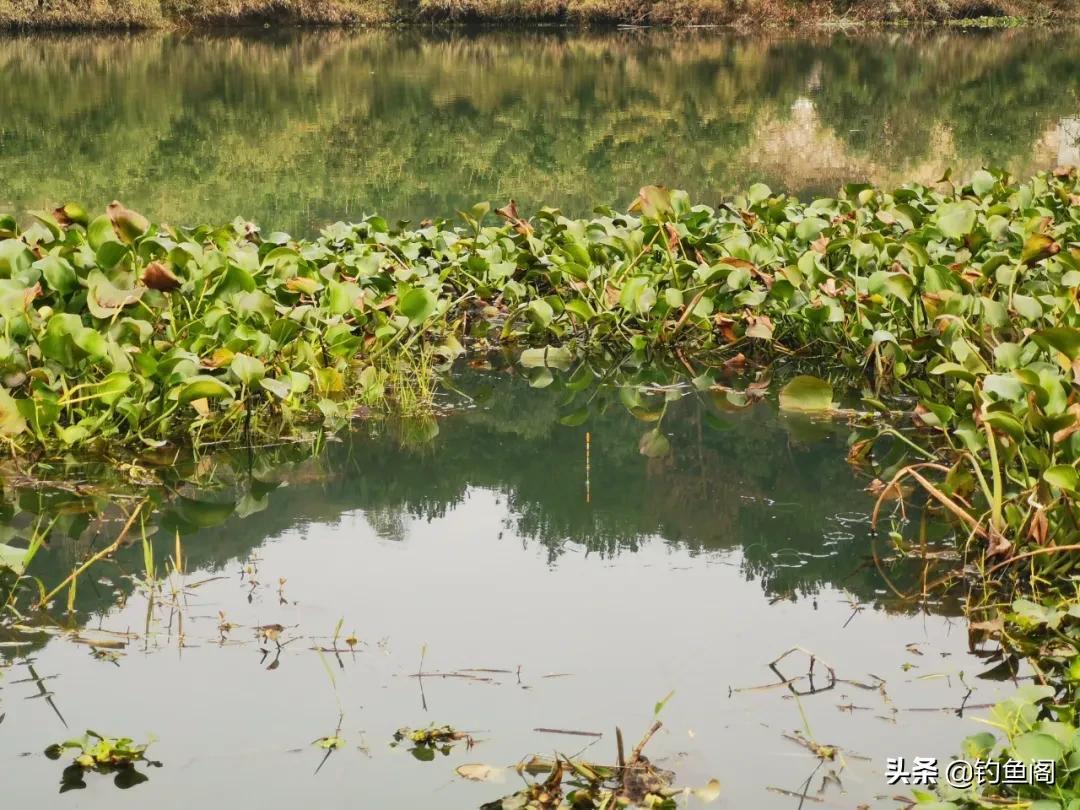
(742, 13)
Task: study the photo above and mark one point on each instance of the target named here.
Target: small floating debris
(575, 783)
(425, 742)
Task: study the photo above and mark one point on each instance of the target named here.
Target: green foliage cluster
(959, 301)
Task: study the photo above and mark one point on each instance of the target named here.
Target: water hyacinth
(957, 302)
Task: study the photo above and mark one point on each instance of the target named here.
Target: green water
(544, 573)
(294, 130)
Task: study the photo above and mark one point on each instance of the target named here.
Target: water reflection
(737, 476)
(294, 130)
(536, 587)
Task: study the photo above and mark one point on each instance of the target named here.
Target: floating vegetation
(952, 309)
(425, 742)
(118, 756)
(570, 782)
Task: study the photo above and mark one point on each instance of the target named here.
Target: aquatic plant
(956, 304)
(118, 756)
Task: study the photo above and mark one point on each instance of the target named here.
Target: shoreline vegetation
(740, 14)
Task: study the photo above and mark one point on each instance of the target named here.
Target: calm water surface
(294, 130)
(481, 542)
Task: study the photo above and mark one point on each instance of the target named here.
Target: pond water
(294, 130)
(541, 572)
(540, 586)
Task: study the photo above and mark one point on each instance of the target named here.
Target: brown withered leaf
(820, 244)
(1066, 432)
(1065, 171)
(611, 295)
(1039, 527)
(30, 293)
(997, 543)
(673, 240)
(738, 361)
(157, 276)
(509, 212)
(61, 217)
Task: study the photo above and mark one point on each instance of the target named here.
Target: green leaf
(247, 369)
(1027, 307)
(654, 444)
(810, 228)
(204, 386)
(554, 356)
(58, 274)
(99, 231)
(417, 305)
(1063, 477)
(1064, 339)
(982, 182)
(104, 299)
(956, 220)
(15, 258)
(540, 312)
(12, 422)
(278, 388)
(807, 393)
(1035, 745)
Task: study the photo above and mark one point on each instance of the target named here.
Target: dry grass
(742, 13)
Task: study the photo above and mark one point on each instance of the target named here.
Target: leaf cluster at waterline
(959, 301)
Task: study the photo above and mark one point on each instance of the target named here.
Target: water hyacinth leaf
(1038, 247)
(575, 417)
(12, 557)
(247, 369)
(114, 386)
(1036, 745)
(807, 393)
(541, 313)
(99, 231)
(1005, 423)
(12, 422)
(417, 305)
(1027, 307)
(982, 182)
(15, 258)
(104, 299)
(278, 388)
(129, 224)
(1064, 339)
(58, 274)
(1003, 387)
(559, 357)
(956, 220)
(1062, 476)
(111, 254)
(204, 387)
(810, 228)
(654, 444)
(157, 276)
